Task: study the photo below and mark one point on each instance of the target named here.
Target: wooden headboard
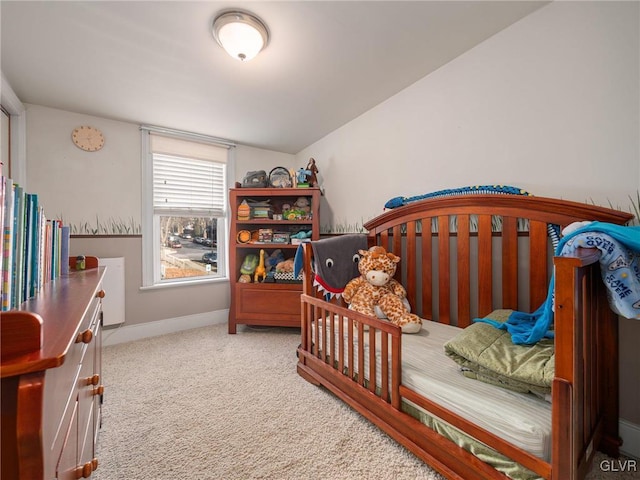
(479, 246)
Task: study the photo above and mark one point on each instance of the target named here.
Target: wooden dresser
(51, 379)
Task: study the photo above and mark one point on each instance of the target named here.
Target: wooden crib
(461, 258)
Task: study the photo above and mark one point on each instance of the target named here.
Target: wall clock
(89, 139)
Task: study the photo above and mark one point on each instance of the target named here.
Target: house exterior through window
(184, 228)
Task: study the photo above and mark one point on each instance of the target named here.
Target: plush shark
(335, 261)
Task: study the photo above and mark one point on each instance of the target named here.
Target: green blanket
(487, 353)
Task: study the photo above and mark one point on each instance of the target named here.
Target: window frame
(151, 277)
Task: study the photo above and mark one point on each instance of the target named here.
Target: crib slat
(372, 360)
(426, 272)
(360, 353)
(332, 336)
(396, 248)
(411, 262)
(384, 364)
(305, 333)
(316, 323)
(396, 374)
(485, 268)
(444, 279)
(538, 241)
(510, 263)
(384, 239)
(341, 344)
(397, 240)
(350, 347)
(464, 256)
(323, 348)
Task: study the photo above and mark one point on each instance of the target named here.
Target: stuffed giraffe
(260, 269)
(376, 287)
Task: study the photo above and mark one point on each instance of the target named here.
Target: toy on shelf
(300, 210)
(255, 179)
(302, 176)
(285, 266)
(302, 234)
(260, 271)
(244, 211)
(274, 259)
(312, 177)
(249, 264)
(244, 278)
(243, 236)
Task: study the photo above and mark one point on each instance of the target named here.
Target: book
(31, 245)
(7, 245)
(64, 250)
(3, 266)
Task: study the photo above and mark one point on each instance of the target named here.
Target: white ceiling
(156, 62)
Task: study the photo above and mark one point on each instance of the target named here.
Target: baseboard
(630, 434)
(129, 333)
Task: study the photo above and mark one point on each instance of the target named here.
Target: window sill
(184, 283)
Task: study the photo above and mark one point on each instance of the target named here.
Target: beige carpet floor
(202, 404)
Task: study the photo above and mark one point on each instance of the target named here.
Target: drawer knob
(94, 464)
(99, 390)
(84, 471)
(85, 337)
(100, 294)
(95, 380)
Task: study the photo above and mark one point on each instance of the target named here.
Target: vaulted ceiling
(156, 62)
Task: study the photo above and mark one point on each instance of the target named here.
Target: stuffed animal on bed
(375, 287)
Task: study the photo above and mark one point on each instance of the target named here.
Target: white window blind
(188, 177)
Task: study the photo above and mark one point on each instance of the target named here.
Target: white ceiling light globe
(241, 34)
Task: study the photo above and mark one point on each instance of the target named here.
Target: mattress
(522, 419)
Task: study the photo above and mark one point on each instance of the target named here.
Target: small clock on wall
(89, 139)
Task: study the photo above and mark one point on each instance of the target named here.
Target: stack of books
(35, 249)
(261, 209)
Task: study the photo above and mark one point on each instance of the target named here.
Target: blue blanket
(620, 270)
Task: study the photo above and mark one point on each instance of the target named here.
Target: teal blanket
(620, 269)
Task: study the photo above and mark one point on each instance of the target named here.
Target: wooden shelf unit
(262, 303)
(51, 379)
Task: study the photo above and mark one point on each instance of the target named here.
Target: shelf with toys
(267, 224)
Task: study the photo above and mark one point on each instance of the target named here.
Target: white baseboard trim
(630, 434)
(129, 333)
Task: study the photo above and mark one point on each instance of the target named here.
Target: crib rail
(353, 345)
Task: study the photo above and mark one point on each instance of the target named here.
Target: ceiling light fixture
(240, 33)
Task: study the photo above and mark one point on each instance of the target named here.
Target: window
(184, 229)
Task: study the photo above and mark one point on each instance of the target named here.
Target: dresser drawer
(62, 384)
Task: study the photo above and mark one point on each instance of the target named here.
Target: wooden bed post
(564, 455)
(586, 359)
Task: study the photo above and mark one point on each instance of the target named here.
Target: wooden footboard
(462, 257)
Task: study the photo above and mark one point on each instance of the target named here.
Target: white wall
(103, 187)
(94, 188)
(251, 158)
(549, 104)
